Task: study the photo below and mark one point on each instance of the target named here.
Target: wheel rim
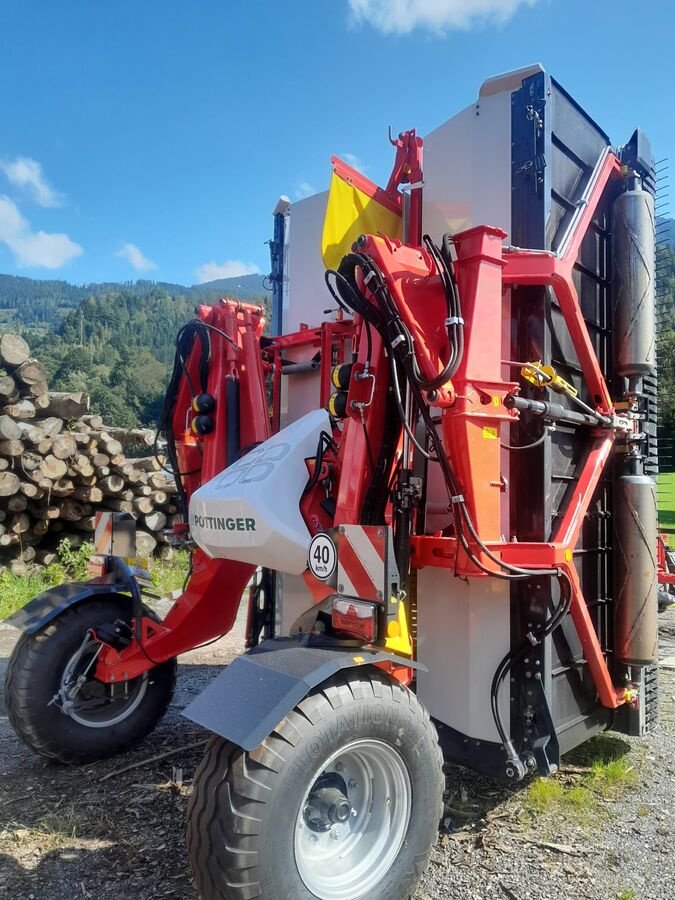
(343, 860)
(93, 703)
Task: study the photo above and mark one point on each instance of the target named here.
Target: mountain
(116, 341)
(44, 303)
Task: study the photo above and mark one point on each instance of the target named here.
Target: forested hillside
(44, 303)
(119, 347)
(117, 340)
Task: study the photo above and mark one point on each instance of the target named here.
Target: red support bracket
(538, 267)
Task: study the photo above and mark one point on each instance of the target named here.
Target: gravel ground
(96, 832)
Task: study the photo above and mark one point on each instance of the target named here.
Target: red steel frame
(527, 267)
(208, 606)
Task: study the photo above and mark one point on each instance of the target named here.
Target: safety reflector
(357, 618)
(355, 206)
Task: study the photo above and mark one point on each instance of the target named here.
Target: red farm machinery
(439, 491)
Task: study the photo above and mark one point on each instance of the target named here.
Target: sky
(152, 139)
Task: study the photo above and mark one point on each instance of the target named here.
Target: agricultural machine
(436, 477)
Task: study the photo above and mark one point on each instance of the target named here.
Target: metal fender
(49, 604)
(248, 700)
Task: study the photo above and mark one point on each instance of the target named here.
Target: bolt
(354, 813)
(341, 588)
(339, 766)
(334, 835)
(314, 839)
(537, 676)
(387, 801)
(353, 784)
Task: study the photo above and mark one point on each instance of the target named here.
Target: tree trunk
(64, 446)
(52, 425)
(68, 405)
(9, 484)
(11, 448)
(53, 468)
(143, 505)
(9, 430)
(31, 372)
(145, 543)
(13, 350)
(112, 484)
(155, 521)
(8, 389)
(17, 503)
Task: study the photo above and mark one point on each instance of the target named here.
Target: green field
(666, 498)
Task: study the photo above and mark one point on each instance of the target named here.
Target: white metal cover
(250, 512)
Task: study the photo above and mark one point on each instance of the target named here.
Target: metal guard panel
(248, 700)
(39, 611)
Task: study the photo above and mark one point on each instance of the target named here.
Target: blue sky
(152, 138)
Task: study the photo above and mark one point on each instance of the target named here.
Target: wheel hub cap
(353, 821)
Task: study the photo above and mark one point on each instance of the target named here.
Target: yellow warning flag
(355, 206)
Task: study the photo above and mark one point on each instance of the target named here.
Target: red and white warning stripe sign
(103, 534)
(361, 561)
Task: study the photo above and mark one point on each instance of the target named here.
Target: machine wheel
(61, 712)
(341, 802)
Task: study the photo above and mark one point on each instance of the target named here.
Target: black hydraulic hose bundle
(400, 350)
(184, 343)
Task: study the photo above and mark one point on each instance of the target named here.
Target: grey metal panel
(565, 148)
(254, 693)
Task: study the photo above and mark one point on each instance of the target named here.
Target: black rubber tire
(244, 806)
(34, 675)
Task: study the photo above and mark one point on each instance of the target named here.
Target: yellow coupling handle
(546, 377)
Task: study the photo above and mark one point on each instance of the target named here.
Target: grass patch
(17, 590)
(626, 894)
(552, 796)
(170, 576)
(602, 771)
(666, 500)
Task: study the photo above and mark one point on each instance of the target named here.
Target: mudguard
(39, 611)
(248, 700)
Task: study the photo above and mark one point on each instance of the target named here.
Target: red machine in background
(393, 513)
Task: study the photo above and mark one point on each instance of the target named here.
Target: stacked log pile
(59, 465)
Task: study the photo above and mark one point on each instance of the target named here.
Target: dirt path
(65, 833)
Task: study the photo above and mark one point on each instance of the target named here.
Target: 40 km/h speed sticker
(322, 557)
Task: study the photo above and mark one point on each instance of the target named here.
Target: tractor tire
(97, 727)
(341, 802)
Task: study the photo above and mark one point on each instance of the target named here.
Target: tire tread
(225, 775)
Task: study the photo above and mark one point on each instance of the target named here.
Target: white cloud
(26, 174)
(304, 189)
(231, 268)
(402, 16)
(354, 162)
(33, 248)
(136, 258)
